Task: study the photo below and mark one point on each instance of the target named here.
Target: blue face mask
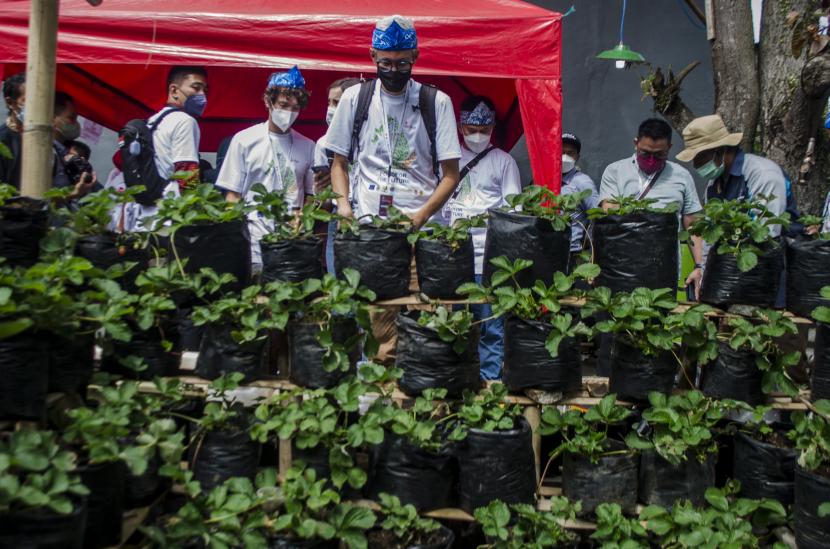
(195, 104)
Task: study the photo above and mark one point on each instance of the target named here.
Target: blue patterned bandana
(288, 79)
(480, 116)
(394, 38)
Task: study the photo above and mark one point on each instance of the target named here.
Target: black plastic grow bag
(496, 465)
(442, 538)
(734, 374)
(105, 503)
(383, 259)
(528, 364)
(662, 483)
(219, 354)
(820, 383)
(223, 247)
(24, 222)
(71, 363)
(634, 375)
(292, 260)
(44, 529)
(291, 543)
(422, 478)
(764, 470)
(519, 236)
(441, 270)
(612, 479)
(103, 251)
(636, 250)
(146, 345)
(428, 362)
(221, 455)
(808, 270)
(811, 490)
(24, 369)
(724, 284)
(306, 354)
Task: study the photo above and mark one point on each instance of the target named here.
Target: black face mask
(394, 81)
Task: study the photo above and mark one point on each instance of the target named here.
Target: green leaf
(11, 328)
(746, 260)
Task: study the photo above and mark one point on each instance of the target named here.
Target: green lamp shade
(622, 53)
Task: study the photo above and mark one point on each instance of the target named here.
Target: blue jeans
(491, 340)
(330, 247)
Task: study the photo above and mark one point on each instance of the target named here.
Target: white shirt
(411, 180)
(176, 139)
(128, 212)
(321, 159)
(487, 185)
(252, 156)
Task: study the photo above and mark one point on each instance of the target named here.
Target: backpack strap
(426, 104)
(364, 99)
(155, 124)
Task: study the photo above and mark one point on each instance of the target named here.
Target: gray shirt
(674, 186)
(575, 182)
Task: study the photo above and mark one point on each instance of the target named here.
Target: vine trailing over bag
(520, 525)
(541, 202)
(486, 411)
(451, 326)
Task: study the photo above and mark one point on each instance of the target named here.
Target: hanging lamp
(622, 54)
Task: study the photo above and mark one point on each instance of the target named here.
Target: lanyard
(389, 137)
(275, 154)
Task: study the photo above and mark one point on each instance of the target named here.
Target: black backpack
(426, 105)
(139, 166)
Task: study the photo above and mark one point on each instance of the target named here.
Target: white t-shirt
(176, 139)
(321, 159)
(252, 155)
(403, 171)
(128, 212)
(494, 178)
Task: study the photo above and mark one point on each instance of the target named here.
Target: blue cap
(480, 116)
(289, 79)
(396, 33)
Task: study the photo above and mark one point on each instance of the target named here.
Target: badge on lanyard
(383, 206)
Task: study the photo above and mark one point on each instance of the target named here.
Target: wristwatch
(698, 265)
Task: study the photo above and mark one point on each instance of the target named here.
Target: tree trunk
(735, 68)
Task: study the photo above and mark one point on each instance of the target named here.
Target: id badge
(383, 206)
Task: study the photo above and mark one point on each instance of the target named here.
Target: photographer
(70, 169)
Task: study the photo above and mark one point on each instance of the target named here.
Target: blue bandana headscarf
(289, 79)
(394, 37)
(480, 116)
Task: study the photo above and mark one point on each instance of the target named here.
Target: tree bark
(735, 68)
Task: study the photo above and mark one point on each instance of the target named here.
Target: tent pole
(36, 169)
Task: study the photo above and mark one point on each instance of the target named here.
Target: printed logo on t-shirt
(403, 155)
(287, 175)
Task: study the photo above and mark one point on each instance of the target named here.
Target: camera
(75, 166)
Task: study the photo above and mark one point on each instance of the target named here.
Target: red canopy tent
(113, 59)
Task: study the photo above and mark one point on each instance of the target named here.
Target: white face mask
(283, 119)
(330, 115)
(477, 142)
(568, 163)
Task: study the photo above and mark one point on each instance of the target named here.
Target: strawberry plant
(520, 525)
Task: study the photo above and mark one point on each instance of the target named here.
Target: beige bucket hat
(704, 133)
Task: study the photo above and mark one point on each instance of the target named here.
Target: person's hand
(812, 230)
(419, 219)
(344, 210)
(694, 278)
(322, 180)
(83, 186)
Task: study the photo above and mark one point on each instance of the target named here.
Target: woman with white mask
(488, 176)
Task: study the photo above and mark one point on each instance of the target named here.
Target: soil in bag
(146, 345)
(612, 479)
(24, 222)
(496, 465)
(383, 259)
(71, 363)
(44, 529)
(734, 374)
(419, 477)
(219, 354)
(662, 483)
(811, 490)
(808, 270)
(519, 236)
(428, 362)
(634, 375)
(763, 469)
(223, 454)
(105, 503)
(441, 270)
(529, 365)
(724, 284)
(104, 251)
(292, 260)
(24, 370)
(223, 247)
(442, 538)
(636, 250)
(820, 383)
(306, 354)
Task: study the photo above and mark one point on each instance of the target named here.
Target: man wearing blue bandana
(398, 161)
(488, 176)
(271, 153)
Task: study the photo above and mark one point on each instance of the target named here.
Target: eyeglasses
(661, 155)
(402, 65)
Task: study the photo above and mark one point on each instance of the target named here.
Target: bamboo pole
(38, 155)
